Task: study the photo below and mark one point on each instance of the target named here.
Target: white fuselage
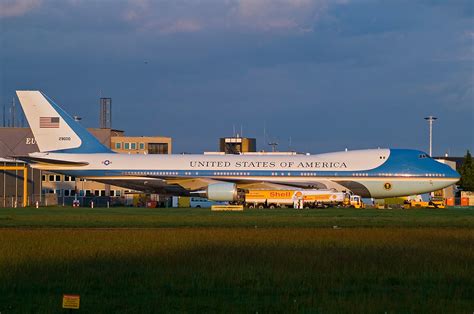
(369, 170)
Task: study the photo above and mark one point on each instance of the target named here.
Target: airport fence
(13, 201)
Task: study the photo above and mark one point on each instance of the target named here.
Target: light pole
(430, 119)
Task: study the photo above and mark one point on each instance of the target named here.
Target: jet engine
(222, 192)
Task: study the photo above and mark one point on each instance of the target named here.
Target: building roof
(11, 160)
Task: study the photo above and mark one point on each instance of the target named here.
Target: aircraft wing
(193, 184)
(197, 183)
(201, 183)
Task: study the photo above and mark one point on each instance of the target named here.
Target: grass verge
(148, 260)
(198, 217)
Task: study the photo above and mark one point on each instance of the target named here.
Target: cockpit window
(421, 156)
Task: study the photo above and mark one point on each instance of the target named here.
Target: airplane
(66, 147)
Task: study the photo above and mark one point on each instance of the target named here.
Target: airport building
(49, 188)
(141, 145)
(237, 145)
(449, 192)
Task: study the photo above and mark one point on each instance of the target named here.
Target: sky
(314, 76)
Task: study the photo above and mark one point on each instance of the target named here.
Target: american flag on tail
(49, 122)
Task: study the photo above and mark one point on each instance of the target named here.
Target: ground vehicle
(435, 202)
(300, 198)
(356, 202)
(200, 202)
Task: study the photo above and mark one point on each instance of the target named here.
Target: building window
(118, 145)
(69, 178)
(115, 193)
(67, 192)
(88, 193)
(43, 178)
(133, 145)
(157, 148)
(54, 178)
(142, 146)
(126, 146)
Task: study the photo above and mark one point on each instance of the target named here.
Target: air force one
(68, 148)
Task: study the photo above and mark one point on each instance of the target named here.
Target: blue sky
(329, 74)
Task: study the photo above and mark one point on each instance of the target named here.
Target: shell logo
(387, 186)
(298, 194)
(333, 196)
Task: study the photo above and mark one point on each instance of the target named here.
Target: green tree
(467, 173)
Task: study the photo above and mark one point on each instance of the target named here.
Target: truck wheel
(261, 206)
(272, 206)
(251, 206)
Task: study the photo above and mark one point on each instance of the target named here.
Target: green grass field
(52, 217)
(137, 260)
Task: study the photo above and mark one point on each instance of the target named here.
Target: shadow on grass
(351, 271)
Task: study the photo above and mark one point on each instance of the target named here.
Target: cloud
(186, 16)
(281, 14)
(253, 15)
(11, 8)
(182, 25)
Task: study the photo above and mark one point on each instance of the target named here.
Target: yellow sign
(227, 207)
(71, 301)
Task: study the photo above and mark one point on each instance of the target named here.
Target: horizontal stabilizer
(47, 161)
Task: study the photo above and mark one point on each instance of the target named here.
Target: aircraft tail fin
(54, 129)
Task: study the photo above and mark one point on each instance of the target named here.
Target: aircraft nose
(451, 173)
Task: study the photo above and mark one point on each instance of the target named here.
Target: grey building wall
(16, 141)
(21, 142)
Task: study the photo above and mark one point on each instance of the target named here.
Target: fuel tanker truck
(301, 198)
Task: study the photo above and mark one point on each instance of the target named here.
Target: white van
(200, 202)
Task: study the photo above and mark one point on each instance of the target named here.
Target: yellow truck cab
(356, 202)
